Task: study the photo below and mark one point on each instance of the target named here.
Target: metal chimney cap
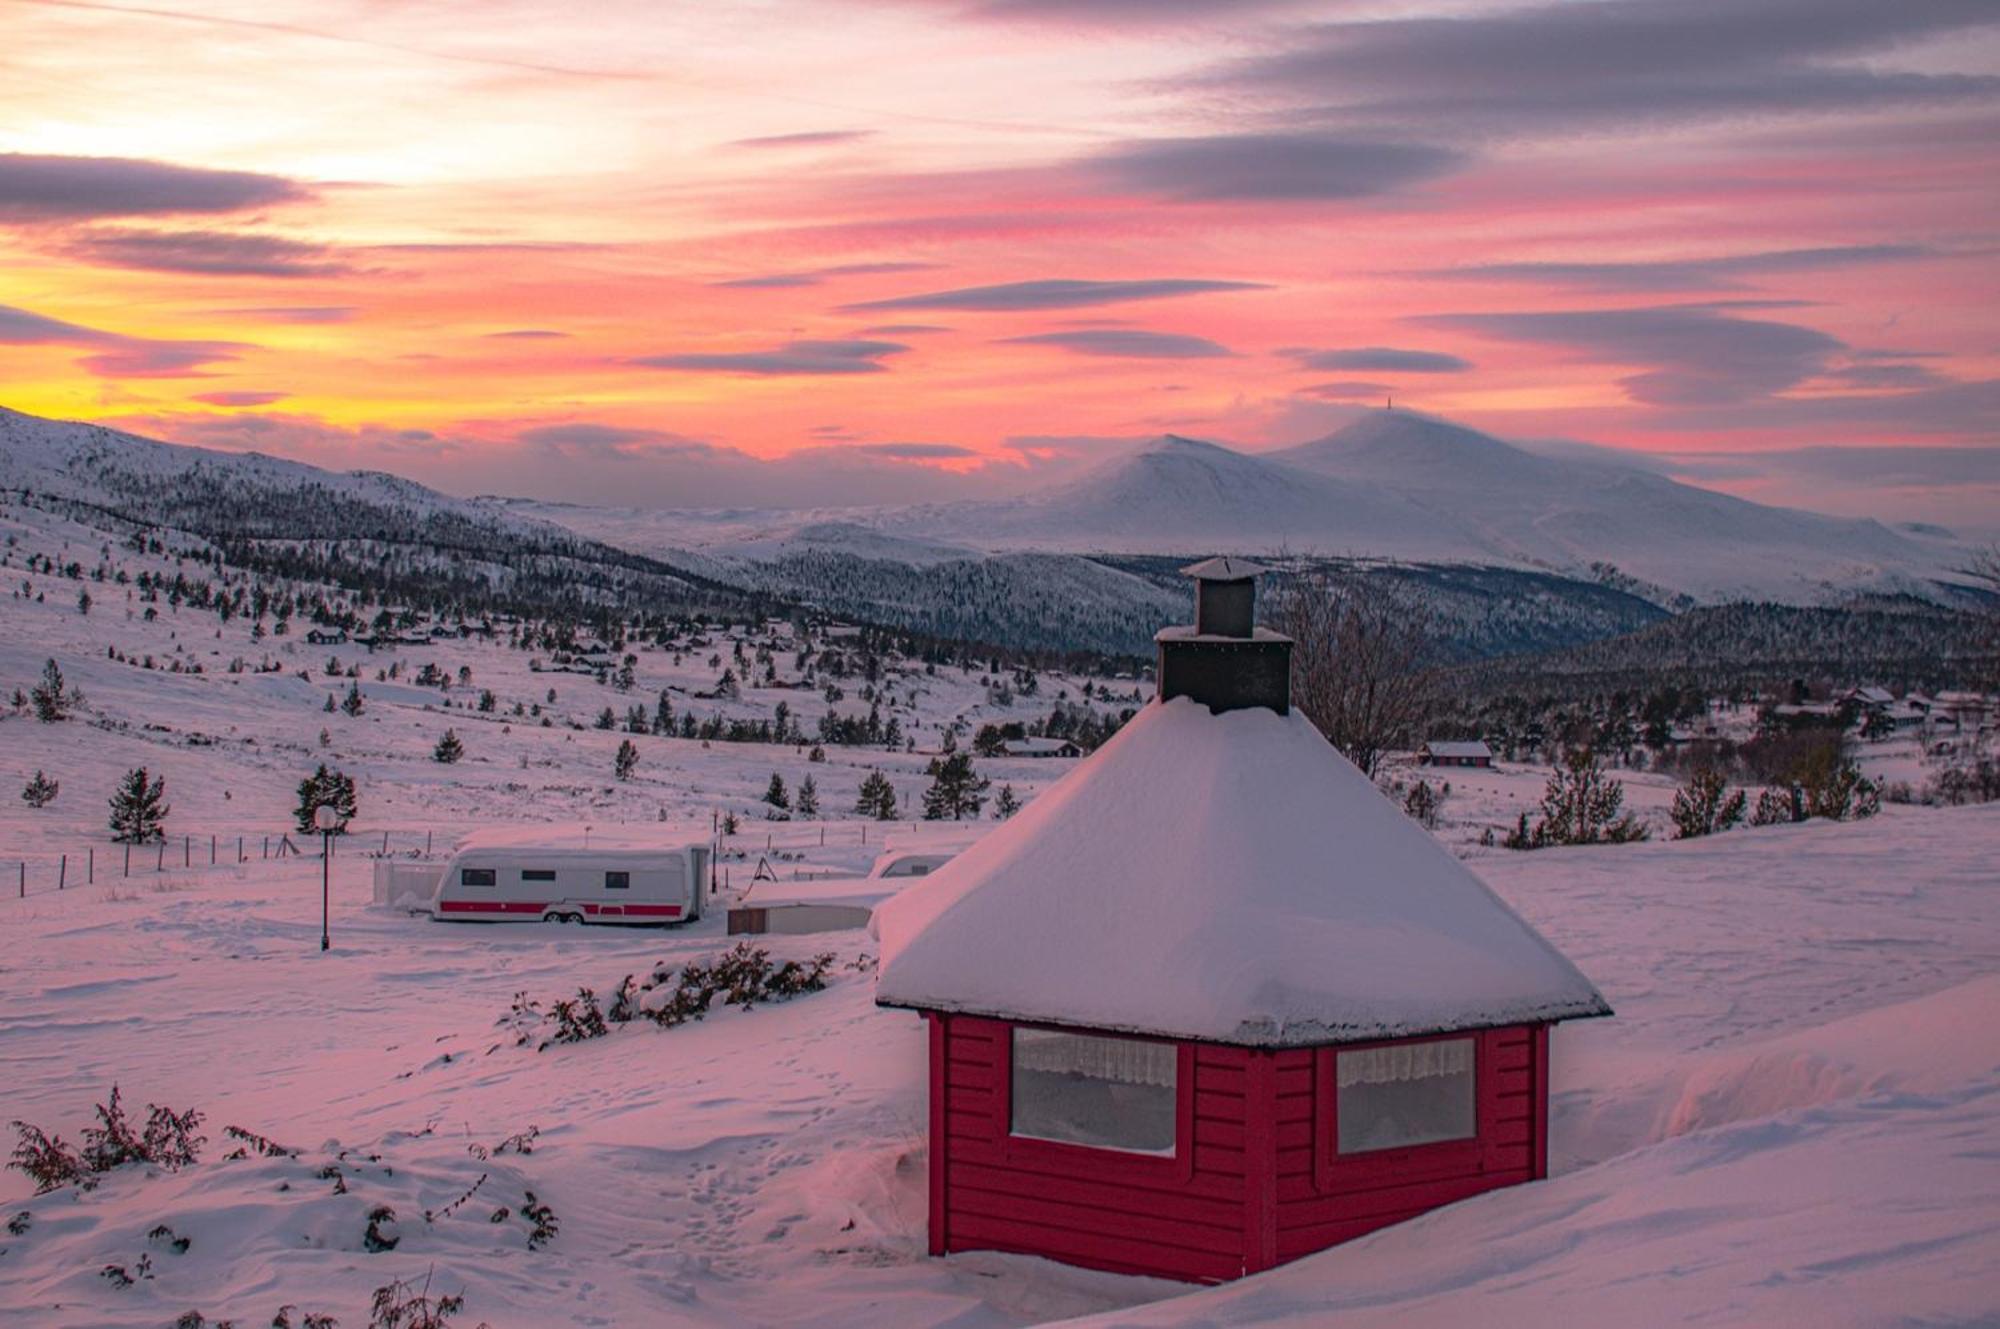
(1224, 568)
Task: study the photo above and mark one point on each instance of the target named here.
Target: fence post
(90, 879)
(62, 873)
(187, 851)
(211, 849)
(160, 863)
(239, 850)
(24, 879)
(267, 846)
(385, 844)
(128, 858)
(427, 844)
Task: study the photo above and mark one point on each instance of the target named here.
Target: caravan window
(1405, 1094)
(538, 874)
(1108, 1093)
(476, 877)
(617, 881)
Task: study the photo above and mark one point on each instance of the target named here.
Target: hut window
(476, 877)
(1404, 1094)
(1107, 1093)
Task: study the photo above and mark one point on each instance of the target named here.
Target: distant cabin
(326, 636)
(1210, 1002)
(1040, 747)
(1869, 698)
(1448, 752)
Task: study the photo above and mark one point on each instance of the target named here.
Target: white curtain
(1119, 1060)
(1403, 1061)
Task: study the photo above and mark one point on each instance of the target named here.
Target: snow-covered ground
(1794, 1117)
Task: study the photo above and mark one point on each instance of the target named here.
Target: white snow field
(1793, 1119)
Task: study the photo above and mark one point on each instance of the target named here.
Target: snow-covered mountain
(1394, 485)
(1180, 494)
(1572, 514)
(1405, 486)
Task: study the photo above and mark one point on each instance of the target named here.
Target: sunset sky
(836, 251)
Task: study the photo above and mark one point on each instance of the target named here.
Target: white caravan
(520, 883)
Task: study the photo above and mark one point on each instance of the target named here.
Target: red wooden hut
(1212, 1002)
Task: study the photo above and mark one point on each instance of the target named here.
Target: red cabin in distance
(1212, 1002)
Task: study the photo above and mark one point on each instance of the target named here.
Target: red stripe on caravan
(654, 910)
(489, 907)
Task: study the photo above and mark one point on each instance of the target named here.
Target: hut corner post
(940, 1144)
(1260, 1160)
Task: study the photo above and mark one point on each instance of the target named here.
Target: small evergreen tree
(139, 808)
(877, 798)
(956, 791)
(626, 761)
(775, 795)
(325, 788)
(607, 719)
(40, 791)
(448, 749)
(1005, 803)
(352, 703)
(51, 697)
(1705, 805)
(330, 707)
(1774, 808)
(808, 801)
(1581, 806)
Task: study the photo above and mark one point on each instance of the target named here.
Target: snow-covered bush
(1705, 805)
(40, 791)
(168, 1140)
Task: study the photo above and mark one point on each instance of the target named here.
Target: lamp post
(326, 819)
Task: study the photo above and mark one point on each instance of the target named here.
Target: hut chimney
(1225, 661)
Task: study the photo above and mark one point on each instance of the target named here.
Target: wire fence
(91, 862)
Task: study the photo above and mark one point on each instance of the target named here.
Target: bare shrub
(1360, 660)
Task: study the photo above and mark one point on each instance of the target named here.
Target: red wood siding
(1324, 1198)
(1255, 1180)
(1179, 1217)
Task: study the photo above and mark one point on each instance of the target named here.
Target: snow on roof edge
(1305, 1033)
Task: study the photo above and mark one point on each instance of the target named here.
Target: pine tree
(775, 795)
(40, 791)
(956, 792)
(1704, 805)
(330, 706)
(808, 801)
(448, 749)
(877, 798)
(352, 703)
(1581, 806)
(1005, 804)
(51, 697)
(139, 809)
(626, 761)
(325, 788)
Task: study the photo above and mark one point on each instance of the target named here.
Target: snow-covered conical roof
(1225, 877)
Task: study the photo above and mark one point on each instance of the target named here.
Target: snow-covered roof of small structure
(1020, 745)
(1475, 747)
(577, 836)
(1225, 877)
(1224, 569)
